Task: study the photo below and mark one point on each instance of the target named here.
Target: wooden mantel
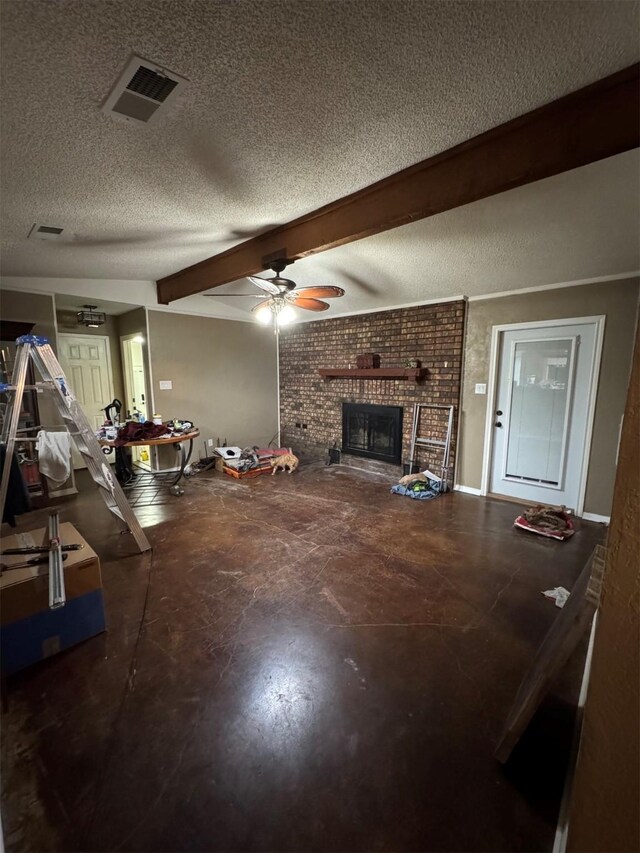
(416, 373)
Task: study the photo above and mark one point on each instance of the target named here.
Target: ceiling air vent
(141, 90)
(45, 232)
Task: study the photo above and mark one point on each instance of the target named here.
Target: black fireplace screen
(372, 431)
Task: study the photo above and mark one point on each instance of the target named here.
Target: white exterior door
(86, 362)
(541, 415)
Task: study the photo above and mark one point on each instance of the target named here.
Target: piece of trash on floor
(558, 594)
(546, 521)
(422, 487)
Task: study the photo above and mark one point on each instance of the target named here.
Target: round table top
(151, 442)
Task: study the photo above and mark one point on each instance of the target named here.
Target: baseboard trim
(587, 516)
(600, 519)
(467, 490)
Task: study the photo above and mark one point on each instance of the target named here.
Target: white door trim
(599, 322)
(125, 366)
(152, 464)
(107, 349)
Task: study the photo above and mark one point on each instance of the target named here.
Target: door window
(539, 410)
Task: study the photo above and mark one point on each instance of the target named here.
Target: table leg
(185, 456)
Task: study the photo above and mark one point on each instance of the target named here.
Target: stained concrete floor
(305, 663)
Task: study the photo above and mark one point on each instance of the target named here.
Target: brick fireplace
(372, 432)
(311, 407)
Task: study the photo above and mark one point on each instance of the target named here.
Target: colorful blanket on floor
(546, 521)
(418, 490)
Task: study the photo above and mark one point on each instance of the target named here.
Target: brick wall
(431, 333)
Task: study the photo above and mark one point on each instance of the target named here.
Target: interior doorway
(540, 410)
(135, 404)
(86, 361)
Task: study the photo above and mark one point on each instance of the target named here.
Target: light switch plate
(481, 388)
(166, 385)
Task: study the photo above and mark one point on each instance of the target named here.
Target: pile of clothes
(422, 487)
(546, 521)
(134, 431)
(145, 431)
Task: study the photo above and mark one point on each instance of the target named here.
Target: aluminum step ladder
(39, 351)
(443, 445)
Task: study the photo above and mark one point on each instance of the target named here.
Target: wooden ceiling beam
(595, 122)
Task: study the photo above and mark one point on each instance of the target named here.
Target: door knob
(498, 423)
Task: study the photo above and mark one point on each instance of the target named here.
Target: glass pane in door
(539, 410)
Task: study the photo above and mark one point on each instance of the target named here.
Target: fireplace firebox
(374, 432)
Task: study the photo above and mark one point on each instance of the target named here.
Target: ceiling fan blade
(263, 284)
(306, 302)
(266, 303)
(246, 295)
(320, 291)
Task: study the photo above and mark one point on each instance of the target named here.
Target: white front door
(541, 415)
(87, 366)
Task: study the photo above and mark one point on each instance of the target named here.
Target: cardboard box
(24, 592)
(29, 631)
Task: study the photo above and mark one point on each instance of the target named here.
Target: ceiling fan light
(286, 315)
(264, 315)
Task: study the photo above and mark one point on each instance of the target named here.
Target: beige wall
(618, 301)
(30, 308)
(605, 805)
(132, 323)
(67, 324)
(223, 374)
(34, 308)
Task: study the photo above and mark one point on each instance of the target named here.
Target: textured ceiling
(578, 225)
(292, 105)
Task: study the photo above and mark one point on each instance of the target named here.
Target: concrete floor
(306, 663)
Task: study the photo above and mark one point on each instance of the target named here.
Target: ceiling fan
(283, 295)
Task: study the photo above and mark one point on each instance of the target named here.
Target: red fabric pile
(133, 431)
(546, 521)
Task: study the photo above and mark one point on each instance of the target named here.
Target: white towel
(54, 456)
